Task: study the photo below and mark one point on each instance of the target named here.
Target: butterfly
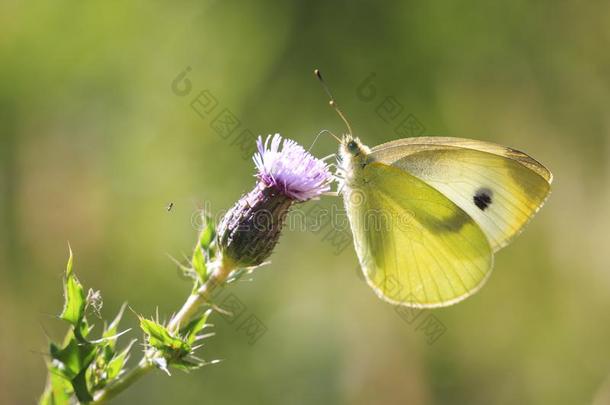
(428, 214)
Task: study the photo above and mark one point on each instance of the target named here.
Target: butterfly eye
(352, 146)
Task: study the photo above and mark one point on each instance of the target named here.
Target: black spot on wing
(482, 198)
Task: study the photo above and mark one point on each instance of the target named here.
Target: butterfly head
(352, 147)
(353, 155)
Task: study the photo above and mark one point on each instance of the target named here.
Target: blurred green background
(94, 144)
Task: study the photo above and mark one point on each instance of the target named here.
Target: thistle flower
(293, 170)
(286, 174)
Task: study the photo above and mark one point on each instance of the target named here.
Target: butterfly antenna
(320, 133)
(332, 101)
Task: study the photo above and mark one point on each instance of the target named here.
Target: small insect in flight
(170, 206)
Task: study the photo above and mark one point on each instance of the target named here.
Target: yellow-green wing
(416, 247)
(499, 187)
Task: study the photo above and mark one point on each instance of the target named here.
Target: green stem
(124, 382)
(192, 305)
(202, 296)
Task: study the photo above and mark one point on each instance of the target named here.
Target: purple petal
(288, 167)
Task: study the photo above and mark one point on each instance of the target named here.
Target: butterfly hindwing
(416, 247)
(500, 188)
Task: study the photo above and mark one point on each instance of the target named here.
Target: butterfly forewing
(500, 188)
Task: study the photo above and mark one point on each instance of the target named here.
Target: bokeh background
(95, 142)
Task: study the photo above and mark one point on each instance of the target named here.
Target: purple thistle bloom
(286, 166)
(287, 175)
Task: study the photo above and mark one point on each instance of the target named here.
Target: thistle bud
(287, 174)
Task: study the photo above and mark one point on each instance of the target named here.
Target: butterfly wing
(416, 247)
(499, 187)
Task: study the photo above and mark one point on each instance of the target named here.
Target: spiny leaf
(116, 364)
(160, 338)
(207, 234)
(187, 365)
(107, 364)
(107, 340)
(190, 330)
(74, 297)
(71, 359)
(201, 253)
(199, 264)
(192, 363)
(70, 262)
(111, 330)
(58, 391)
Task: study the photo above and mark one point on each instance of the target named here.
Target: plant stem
(202, 296)
(114, 389)
(192, 305)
